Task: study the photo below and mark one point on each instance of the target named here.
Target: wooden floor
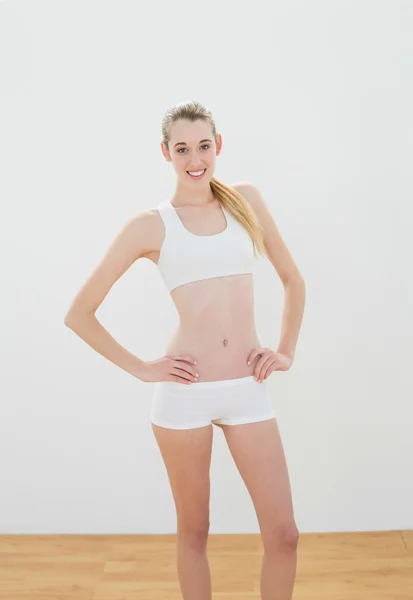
(344, 566)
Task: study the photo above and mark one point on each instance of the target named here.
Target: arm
(294, 301)
(282, 261)
(132, 242)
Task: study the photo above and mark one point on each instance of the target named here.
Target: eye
(204, 146)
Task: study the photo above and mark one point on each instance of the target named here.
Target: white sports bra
(186, 257)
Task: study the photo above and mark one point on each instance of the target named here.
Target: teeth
(196, 172)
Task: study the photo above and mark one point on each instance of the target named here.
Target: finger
(186, 357)
(267, 369)
(180, 380)
(262, 365)
(183, 375)
(179, 360)
(254, 354)
(188, 368)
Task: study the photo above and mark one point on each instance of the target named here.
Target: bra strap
(168, 214)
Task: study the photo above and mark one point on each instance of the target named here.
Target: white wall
(314, 103)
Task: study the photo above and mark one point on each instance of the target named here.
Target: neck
(196, 197)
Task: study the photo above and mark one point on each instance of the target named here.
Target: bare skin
(258, 454)
(216, 327)
(216, 316)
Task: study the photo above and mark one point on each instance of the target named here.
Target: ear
(219, 143)
(165, 152)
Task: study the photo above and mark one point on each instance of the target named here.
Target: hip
(227, 401)
(217, 359)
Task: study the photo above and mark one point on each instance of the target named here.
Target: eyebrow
(184, 143)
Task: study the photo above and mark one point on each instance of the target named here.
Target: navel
(225, 342)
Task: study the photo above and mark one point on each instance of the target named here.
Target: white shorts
(228, 402)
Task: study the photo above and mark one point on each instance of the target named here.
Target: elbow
(296, 280)
(72, 318)
(68, 320)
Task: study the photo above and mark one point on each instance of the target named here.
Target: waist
(216, 326)
(223, 385)
(219, 356)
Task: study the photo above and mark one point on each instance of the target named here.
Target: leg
(259, 456)
(187, 457)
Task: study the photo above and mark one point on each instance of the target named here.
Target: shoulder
(277, 251)
(143, 220)
(147, 227)
(253, 196)
(149, 217)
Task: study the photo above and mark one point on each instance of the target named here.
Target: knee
(194, 536)
(290, 537)
(282, 538)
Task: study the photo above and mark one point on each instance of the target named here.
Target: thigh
(187, 457)
(258, 453)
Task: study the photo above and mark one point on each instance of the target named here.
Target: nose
(195, 165)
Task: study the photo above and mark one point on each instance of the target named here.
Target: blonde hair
(229, 198)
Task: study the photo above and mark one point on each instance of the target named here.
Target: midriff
(216, 325)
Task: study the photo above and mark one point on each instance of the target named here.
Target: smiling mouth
(196, 176)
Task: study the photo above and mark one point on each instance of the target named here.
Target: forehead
(190, 131)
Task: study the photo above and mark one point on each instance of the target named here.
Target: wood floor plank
(332, 566)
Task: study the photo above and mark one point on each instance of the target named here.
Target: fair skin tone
(255, 447)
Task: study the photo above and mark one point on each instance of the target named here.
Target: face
(192, 147)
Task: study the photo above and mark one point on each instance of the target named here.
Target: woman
(203, 241)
